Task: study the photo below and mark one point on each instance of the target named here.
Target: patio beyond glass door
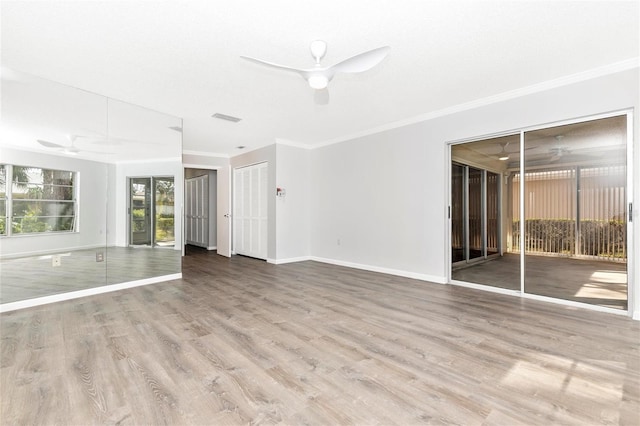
(575, 212)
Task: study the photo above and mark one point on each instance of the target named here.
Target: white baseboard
(38, 301)
(371, 268)
(212, 248)
(398, 272)
(288, 260)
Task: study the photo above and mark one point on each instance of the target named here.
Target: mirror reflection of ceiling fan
(557, 153)
(71, 148)
(504, 154)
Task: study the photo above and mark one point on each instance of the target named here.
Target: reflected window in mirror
(40, 200)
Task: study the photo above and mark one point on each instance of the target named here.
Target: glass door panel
(482, 212)
(458, 240)
(140, 217)
(493, 213)
(164, 212)
(575, 212)
(476, 214)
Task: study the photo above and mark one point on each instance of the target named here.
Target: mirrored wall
(544, 212)
(67, 205)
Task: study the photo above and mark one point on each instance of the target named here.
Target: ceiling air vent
(226, 117)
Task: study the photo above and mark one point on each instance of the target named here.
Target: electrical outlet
(99, 256)
(56, 260)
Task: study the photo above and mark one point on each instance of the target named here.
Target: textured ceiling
(182, 57)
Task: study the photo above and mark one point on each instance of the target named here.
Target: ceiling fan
(558, 151)
(67, 149)
(319, 76)
(504, 154)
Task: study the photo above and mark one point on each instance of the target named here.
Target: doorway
(151, 211)
(200, 209)
(544, 212)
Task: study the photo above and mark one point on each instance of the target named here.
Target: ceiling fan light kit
(319, 77)
(318, 81)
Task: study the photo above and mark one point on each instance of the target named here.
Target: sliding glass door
(553, 200)
(575, 212)
(151, 207)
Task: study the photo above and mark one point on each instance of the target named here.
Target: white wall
(292, 210)
(385, 196)
(93, 180)
(141, 169)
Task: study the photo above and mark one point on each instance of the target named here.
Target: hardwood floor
(241, 341)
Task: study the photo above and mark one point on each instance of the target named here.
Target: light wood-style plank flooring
(240, 341)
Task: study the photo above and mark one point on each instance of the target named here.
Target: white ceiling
(183, 57)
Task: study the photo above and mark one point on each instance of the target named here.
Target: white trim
(487, 288)
(248, 149)
(293, 144)
(38, 301)
(576, 304)
(204, 154)
(633, 286)
(501, 97)
(400, 273)
(289, 260)
(200, 166)
(150, 160)
(212, 248)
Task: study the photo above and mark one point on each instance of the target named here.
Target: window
(40, 200)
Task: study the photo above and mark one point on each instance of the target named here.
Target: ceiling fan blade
(49, 144)
(304, 73)
(363, 61)
(321, 97)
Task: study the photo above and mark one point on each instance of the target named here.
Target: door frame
(152, 209)
(223, 207)
(632, 284)
(234, 201)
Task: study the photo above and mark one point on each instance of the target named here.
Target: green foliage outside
(164, 227)
(602, 238)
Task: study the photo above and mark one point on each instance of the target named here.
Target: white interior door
(224, 211)
(197, 211)
(250, 210)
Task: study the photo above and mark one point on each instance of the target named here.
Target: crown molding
(205, 154)
(501, 97)
(294, 144)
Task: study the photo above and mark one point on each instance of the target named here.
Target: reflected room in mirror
(90, 193)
